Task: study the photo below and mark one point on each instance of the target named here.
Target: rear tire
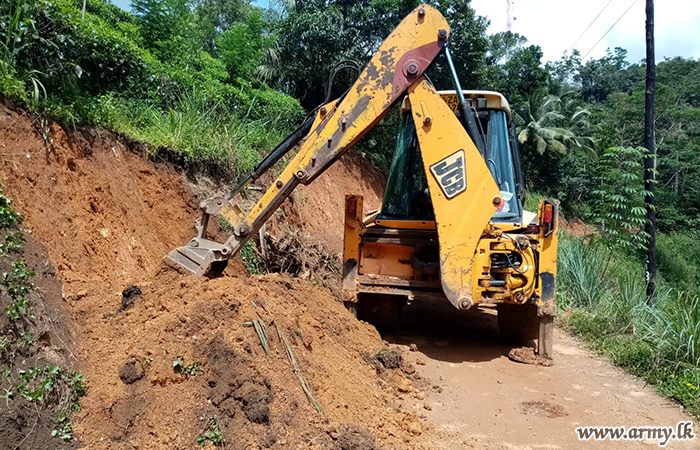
(352, 307)
(518, 323)
(382, 311)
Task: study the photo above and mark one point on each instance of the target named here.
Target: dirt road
(478, 398)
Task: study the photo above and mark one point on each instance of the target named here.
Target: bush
(171, 95)
(678, 256)
(205, 134)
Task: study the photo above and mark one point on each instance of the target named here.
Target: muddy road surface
(476, 397)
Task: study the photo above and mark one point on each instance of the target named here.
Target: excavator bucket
(201, 255)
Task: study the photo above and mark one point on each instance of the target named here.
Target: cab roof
(494, 100)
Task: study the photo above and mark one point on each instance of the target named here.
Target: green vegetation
(8, 216)
(189, 370)
(252, 260)
(18, 286)
(603, 295)
(50, 388)
(617, 206)
(14, 242)
(212, 434)
(145, 75)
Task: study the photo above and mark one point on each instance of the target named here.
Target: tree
(214, 17)
(520, 74)
(502, 45)
(567, 70)
(315, 35)
(599, 78)
(552, 123)
(161, 20)
(243, 45)
(618, 205)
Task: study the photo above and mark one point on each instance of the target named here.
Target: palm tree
(270, 68)
(555, 123)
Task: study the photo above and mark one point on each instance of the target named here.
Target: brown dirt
(107, 216)
(577, 228)
(251, 394)
(23, 424)
(480, 399)
(541, 408)
(527, 355)
(105, 213)
(319, 208)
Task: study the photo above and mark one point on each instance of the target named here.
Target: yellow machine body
(469, 257)
(455, 248)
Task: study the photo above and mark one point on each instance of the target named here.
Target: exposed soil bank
(176, 358)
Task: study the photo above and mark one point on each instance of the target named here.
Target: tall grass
(532, 200)
(583, 270)
(603, 296)
(203, 133)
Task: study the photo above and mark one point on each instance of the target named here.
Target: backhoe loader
(452, 224)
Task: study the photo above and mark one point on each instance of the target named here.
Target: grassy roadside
(602, 296)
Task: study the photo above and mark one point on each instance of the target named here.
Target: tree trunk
(650, 160)
(675, 177)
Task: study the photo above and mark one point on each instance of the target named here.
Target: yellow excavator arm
(462, 189)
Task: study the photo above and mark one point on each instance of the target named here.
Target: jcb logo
(451, 174)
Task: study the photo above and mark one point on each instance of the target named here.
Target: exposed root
(299, 255)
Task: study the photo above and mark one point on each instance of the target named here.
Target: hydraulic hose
(465, 112)
(285, 146)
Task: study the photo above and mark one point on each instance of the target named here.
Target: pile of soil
(168, 357)
(255, 397)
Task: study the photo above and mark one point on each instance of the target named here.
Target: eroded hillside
(168, 358)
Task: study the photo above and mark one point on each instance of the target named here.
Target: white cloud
(555, 25)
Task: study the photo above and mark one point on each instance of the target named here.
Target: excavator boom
(401, 59)
(462, 189)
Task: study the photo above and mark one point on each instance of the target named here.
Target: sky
(555, 25)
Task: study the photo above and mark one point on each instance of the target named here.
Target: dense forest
(218, 83)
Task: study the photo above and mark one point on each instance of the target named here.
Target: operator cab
(406, 196)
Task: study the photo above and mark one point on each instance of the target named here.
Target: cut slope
(105, 213)
(319, 208)
(107, 216)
